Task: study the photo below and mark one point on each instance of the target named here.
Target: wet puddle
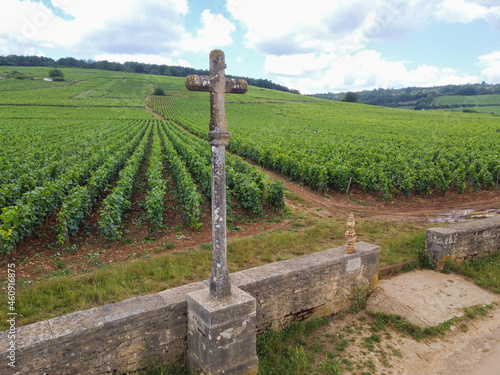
(464, 215)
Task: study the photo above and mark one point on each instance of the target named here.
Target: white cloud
(283, 27)
(112, 26)
(215, 33)
(461, 11)
(367, 70)
(321, 45)
(147, 26)
(491, 62)
(287, 27)
(295, 65)
(25, 26)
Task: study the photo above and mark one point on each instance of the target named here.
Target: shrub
(56, 75)
(159, 91)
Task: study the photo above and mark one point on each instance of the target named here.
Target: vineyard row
(105, 161)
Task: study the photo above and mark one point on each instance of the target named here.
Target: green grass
(329, 366)
(489, 109)
(407, 328)
(468, 99)
(485, 271)
(293, 196)
(284, 352)
(398, 241)
(61, 292)
(157, 367)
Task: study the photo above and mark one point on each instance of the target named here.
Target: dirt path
(476, 351)
(434, 207)
(473, 349)
(470, 347)
(301, 198)
(429, 298)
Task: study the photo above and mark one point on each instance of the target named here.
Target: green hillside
(449, 98)
(322, 143)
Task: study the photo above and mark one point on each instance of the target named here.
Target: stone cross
(217, 84)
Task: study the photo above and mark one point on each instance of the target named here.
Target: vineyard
(72, 154)
(332, 145)
(74, 149)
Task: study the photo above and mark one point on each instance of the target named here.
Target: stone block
(176, 297)
(269, 273)
(65, 328)
(463, 241)
(115, 313)
(221, 333)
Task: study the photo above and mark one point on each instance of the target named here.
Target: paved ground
(430, 298)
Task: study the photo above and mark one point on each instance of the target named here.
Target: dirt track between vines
(419, 209)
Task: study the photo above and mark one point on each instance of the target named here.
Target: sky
(314, 46)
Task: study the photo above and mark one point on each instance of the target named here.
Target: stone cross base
(221, 333)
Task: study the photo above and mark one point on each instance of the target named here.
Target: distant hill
(481, 97)
(129, 67)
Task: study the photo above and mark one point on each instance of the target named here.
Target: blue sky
(313, 46)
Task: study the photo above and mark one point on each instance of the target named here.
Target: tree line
(416, 97)
(129, 66)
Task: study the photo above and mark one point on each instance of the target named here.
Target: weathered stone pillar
(217, 84)
(220, 284)
(221, 318)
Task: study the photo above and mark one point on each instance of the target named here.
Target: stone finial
(350, 235)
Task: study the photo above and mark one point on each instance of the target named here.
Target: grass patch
(332, 367)
(402, 246)
(407, 328)
(485, 271)
(403, 326)
(56, 296)
(283, 352)
(293, 196)
(157, 367)
(267, 246)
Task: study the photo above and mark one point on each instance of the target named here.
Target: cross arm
(236, 86)
(203, 83)
(198, 83)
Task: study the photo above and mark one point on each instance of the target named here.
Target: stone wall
(463, 241)
(123, 336)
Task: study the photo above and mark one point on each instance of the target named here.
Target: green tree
(56, 75)
(159, 91)
(351, 97)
